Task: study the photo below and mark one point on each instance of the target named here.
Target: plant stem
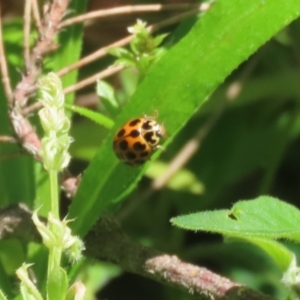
(54, 258)
(54, 193)
(55, 252)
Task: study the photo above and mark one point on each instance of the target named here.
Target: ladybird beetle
(137, 139)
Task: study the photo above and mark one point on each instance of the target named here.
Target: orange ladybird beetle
(137, 139)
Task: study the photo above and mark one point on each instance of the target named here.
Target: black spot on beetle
(134, 122)
(138, 146)
(144, 154)
(130, 155)
(147, 125)
(121, 133)
(123, 145)
(148, 136)
(134, 133)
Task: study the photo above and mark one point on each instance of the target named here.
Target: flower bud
(56, 142)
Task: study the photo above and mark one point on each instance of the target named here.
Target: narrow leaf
(92, 115)
(177, 85)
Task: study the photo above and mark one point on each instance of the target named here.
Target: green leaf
(92, 115)
(158, 39)
(11, 255)
(70, 41)
(176, 86)
(125, 62)
(121, 52)
(125, 57)
(265, 217)
(7, 285)
(85, 145)
(108, 97)
(282, 256)
(16, 170)
(57, 284)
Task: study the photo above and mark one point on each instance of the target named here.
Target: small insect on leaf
(136, 140)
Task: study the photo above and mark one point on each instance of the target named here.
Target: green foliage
(108, 98)
(19, 170)
(144, 49)
(57, 284)
(257, 221)
(70, 42)
(253, 142)
(211, 50)
(91, 115)
(263, 217)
